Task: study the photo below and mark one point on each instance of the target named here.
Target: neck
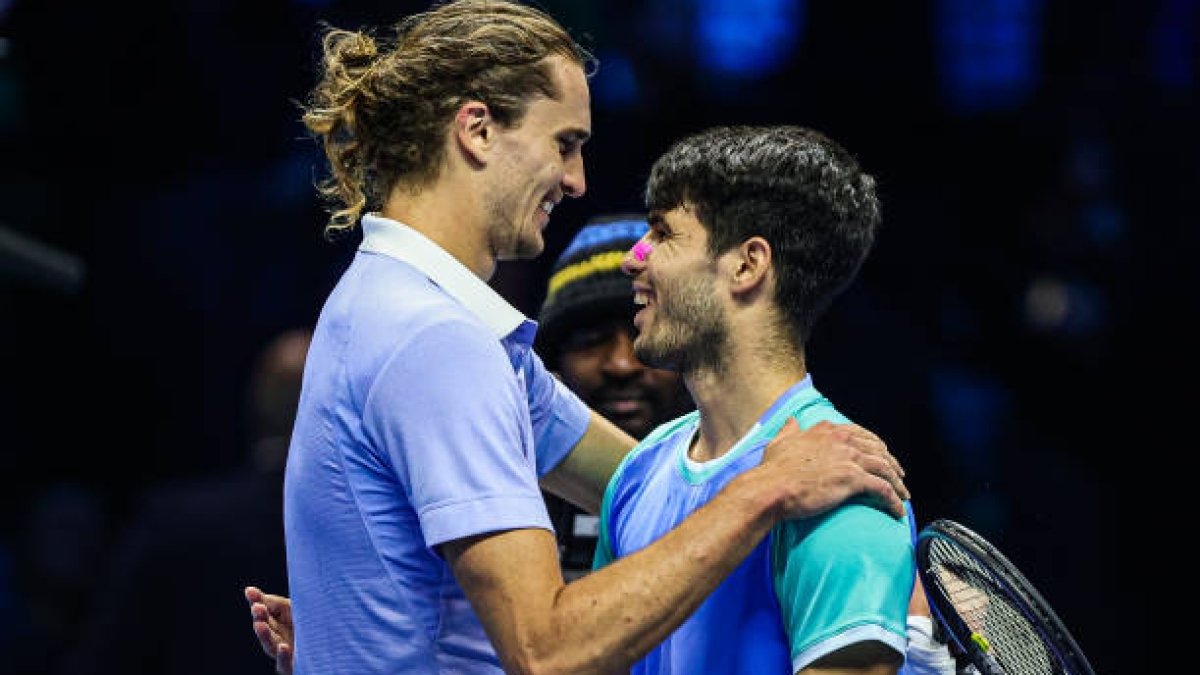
(732, 400)
(448, 213)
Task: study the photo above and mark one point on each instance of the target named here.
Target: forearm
(607, 620)
(584, 474)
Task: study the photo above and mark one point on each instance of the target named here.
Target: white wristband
(925, 655)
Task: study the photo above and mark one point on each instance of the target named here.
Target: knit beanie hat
(586, 280)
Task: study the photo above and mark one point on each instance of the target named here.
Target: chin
(527, 250)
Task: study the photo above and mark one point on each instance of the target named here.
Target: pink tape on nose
(641, 250)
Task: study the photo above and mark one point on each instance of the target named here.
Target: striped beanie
(586, 280)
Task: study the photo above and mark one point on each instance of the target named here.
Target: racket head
(993, 614)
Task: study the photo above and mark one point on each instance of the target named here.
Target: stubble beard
(505, 234)
(688, 334)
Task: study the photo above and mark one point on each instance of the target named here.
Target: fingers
(267, 639)
(265, 610)
(283, 660)
(280, 606)
(866, 441)
(259, 612)
(876, 457)
(847, 455)
(882, 492)
(888, 484)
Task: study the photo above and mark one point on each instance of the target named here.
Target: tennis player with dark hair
(753, 233)
(585, 336)
(417, 538)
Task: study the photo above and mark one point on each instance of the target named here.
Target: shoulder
(812, 407)
(854, 534)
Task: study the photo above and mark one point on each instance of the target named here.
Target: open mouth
(644, 298)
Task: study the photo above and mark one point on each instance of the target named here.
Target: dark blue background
(1020, 335)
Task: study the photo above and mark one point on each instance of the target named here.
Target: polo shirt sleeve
(449, 414)
(559, 416)
(842, 577)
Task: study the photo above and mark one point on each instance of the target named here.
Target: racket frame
(1053, 632)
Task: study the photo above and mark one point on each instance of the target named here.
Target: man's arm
(926, 655)
(583, 475)
(607, 620)
(610, 618)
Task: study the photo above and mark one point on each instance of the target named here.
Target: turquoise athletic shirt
(811, 587)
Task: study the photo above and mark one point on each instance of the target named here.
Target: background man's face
(598, 364)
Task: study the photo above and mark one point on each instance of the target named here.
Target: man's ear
(474, 130)
(751, 265)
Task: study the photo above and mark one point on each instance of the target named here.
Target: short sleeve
(450, 415)
(843, 577)
(558, 415)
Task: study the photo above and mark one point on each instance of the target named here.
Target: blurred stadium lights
(1067, 308)
(1174, 43)
(34, 263)
(987, 52)
(615, 84)
(971, 410)
(1103, 224)
(747, 39)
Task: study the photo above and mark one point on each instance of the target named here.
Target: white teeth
(547, 206)
(639, 298)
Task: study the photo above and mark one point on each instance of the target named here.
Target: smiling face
(539, 161)
(681, 325)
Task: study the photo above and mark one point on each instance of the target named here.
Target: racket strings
(999, 625)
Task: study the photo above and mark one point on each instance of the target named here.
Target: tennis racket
(994, 616)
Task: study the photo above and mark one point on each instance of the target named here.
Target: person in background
(585, 336)
(205, 535)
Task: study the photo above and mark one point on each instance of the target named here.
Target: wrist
(762, 500)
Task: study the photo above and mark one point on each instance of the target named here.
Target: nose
(620, 361)
(574, 183)
(635, 258)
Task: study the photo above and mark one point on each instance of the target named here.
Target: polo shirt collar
(397, 240)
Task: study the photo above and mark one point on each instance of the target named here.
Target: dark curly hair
(798, 189)
(381, 105)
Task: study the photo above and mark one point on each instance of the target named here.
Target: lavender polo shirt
(425, 417)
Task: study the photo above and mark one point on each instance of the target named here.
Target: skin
(597, 362)
(742, 368)
(487, 204)
(607, 620)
